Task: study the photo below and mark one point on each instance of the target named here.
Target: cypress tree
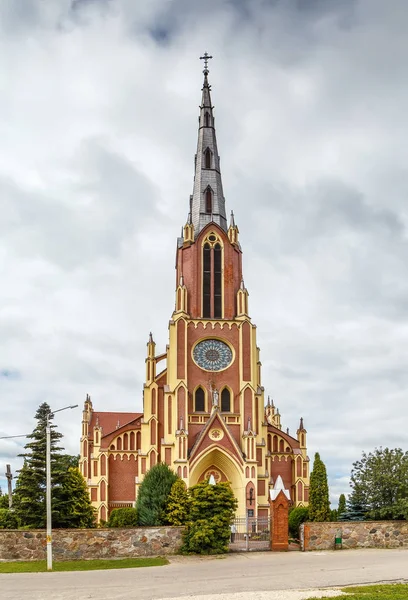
(178, 504)
(153, 495)
(29, 495)
(319, 504)
(342, 505)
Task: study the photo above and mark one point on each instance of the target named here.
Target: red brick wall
(282, 468)
(122, 475)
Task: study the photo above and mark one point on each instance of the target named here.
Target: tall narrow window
(217, 281)
(212, 278)
(199, 400)
(225, 400)
(208, 201)
(207, 119)
(208, 159)
(207, 281)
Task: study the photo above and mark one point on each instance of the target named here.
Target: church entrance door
(250, 534)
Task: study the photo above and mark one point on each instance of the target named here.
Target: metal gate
(249, 534)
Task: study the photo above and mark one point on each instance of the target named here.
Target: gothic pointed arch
(226, 399)
(199, 399)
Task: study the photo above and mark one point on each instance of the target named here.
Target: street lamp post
(48, 483)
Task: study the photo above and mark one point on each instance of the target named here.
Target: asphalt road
(232, 577)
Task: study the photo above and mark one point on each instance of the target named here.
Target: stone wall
(355, 534)
(70, 544)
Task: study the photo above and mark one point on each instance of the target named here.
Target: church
(204, 407)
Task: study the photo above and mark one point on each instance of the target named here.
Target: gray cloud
(98, 138)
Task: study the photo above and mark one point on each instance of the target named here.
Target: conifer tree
(212, 510)
(29, 495)
(319, 504)
(75, 508)
(342, 505)
(153, 495)
(178, 504)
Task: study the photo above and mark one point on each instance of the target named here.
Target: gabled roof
(109, 421)
(204, 440)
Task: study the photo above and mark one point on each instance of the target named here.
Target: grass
(40, 566)
(397, 591)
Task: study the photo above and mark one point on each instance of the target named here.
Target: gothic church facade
(204, 413)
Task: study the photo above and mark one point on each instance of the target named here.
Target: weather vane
(205, 58)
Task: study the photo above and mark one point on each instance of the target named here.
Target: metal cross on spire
(205, 58)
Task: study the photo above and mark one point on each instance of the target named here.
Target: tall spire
(207, 201)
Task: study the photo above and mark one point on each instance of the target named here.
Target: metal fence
(249, 534)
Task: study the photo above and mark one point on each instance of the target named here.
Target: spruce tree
(29, 495)
(75, 508)
(153, 495)
(178, 504)
(319, 504)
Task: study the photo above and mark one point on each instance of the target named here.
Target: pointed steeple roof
(207, 201)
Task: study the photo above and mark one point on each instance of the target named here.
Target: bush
(178, 505)
(153, 495)
(8, 519)
(123, 517)
(297, 516)
(212, 508)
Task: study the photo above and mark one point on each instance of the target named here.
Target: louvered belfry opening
(212, 281)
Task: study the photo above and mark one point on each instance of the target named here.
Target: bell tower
(203, 400)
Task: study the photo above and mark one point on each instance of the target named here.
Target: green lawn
(398, 591)
(37, 566)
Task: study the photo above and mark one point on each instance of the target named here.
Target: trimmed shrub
(123, 517)
(297, 516)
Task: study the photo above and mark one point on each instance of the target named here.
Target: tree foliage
(8, 519)
(29, 495)
(379, 483)
(75, 508)
(153, 495)
(70, 505)
(178, 504)
(297, 516)
(4, 500)
(319, 504)
(123, 517)
(342, 505)
(212, 510)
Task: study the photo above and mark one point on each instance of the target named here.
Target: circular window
(212, 355)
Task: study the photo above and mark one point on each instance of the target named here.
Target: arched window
(212, 279)
(208, 159)
(199, 400)
(208, 201)
(207, 281)
(225, 400)
(217, 281)
(207, 119)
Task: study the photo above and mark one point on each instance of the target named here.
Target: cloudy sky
(99, 106)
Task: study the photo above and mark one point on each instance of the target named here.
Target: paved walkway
(247, 576)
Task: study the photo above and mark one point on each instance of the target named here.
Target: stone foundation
(71, 544)
(355, 534)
